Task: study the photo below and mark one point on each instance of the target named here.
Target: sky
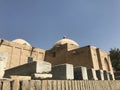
(43, 22)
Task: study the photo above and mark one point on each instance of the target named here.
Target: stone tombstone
(3, 62)
(110, 76)
(63, 72)
(80, 73)
(100, 74)
(105, 73)
(91, 74)
(38, 76)
(28, 69)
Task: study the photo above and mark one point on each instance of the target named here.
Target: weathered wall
(18, 54)
(80, 57)
(104, 60)
(88, 56)
(57, 55)
(59, 85)
(94, 57)
(77, 57)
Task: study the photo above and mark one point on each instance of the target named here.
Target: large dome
(66, 41)
(21, 41)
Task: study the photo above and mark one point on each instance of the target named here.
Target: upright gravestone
(36, 69)
(110, 76)
(100, 74)
(63, 72)
(80, 73)
(105, 73)
(91, 74)
(3, 62)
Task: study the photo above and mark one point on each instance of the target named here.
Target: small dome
(21, 41)
(66, 41)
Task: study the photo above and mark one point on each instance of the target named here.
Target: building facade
(19, 51)
(68, 51)
(64, 51)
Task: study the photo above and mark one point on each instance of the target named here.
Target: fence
(59, 85)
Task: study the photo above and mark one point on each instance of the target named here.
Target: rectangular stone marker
(80, 73)
(14, 77)
(91, 74)
(100, 74)
(110, 76)
(29, 69)
(105, 73)
(3, 62)
(41, 76)
(62, 72)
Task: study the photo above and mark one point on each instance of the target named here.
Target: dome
(21, 41)
(66, 41)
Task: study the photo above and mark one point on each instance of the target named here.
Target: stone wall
(104, 60)
(59, 85)
(80, 57)
(3, 61)
(18, 54)
(56, 55)
(88, 56)
(94, 57)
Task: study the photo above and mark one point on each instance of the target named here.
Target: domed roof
(21, 41)
(66, 41)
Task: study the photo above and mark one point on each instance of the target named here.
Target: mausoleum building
(20, 52)
(68, 51)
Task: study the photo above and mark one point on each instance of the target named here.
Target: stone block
(106, 75)
(62, 72)
(29, 69)
(41, 76)
(14, 77)
(111, 76)
(80, 73)
(100, 74)
(3, 62)
(91, 74)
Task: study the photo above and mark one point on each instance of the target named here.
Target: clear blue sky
(43, 22)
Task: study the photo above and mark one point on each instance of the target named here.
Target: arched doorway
(106, 63)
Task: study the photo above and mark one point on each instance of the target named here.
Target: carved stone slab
(29, 69)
